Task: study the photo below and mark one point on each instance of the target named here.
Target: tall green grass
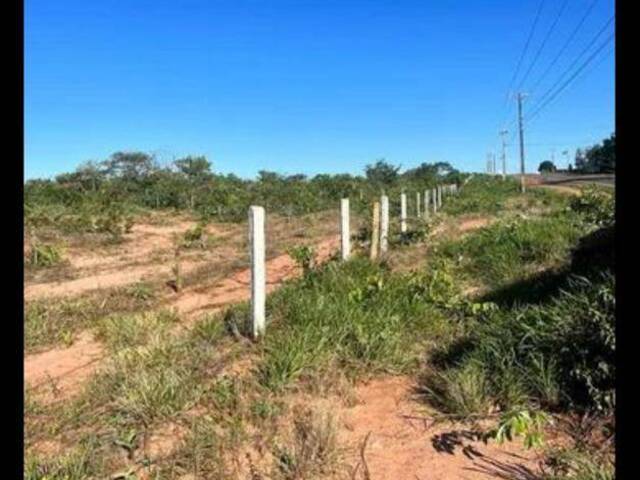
(512, 248)
(355, 316)
(558, 354)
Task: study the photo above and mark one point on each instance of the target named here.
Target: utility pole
(504, 154)
(520, 128)
(491, 163)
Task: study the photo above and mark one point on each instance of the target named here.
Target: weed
(265, 409)
(77, 464)
(49, 322)
(462, 391)
(521, 422)
(141, 291)
(312, 451)
(121, 331)
(195, 237)
(304, 256)
(561, 352)
(201, 453)
(355, 314)
(573, 464)
(595, 206)
(43, 255)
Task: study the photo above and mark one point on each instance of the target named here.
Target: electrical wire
(565, 46)
(542, 45)
(570, 79)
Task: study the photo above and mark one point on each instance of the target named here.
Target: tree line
(136, 179)
(600, 158)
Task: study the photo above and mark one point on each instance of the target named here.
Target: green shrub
(195, 236)
(558, 353)
(595, 206)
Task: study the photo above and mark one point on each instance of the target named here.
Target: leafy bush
(195, 236)
(595, 206)
(521, 422)
(134, 179)
(87, 215)
(559, 353)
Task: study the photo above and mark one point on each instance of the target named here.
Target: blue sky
(300, 86)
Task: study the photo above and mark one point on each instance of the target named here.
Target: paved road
(575, 179)
(569, 179)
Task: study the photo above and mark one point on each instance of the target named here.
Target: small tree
(580, 160)
(197, 171)
(546, 167)
(382, 173)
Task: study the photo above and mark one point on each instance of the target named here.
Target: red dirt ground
(67, 368)
(403, 444)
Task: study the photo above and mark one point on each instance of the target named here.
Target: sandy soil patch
(403, 442)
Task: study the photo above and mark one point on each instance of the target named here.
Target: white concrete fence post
(345, 239)
(439, 196)
(434, 199)
(384, 224)
(258, 276)
(403, 212)
(375, 231)
(418, 204)
(426, 204)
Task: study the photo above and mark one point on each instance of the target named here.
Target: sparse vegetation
(536, 342)
(513, 248)
(43, 255)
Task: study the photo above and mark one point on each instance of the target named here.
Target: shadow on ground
(460, 440)
(594, 252)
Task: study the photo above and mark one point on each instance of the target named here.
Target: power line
(566, 44)
(571, 78)
(544, 42)
(526, 45)
(524, 52)
(576, 60)
(584, 73)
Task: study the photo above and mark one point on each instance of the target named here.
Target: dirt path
(236, 288)
(65, 369)
(145, 254)
(403, 443)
